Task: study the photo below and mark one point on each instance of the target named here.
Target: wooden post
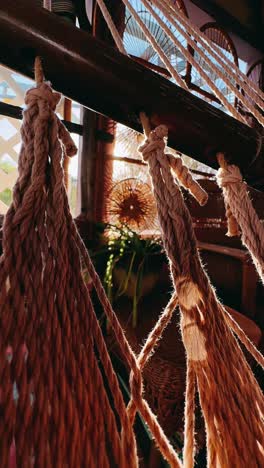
(104, 165)
(86, 180)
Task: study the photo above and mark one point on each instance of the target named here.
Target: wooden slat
(100, 78)
(16, 113)
(223, 250)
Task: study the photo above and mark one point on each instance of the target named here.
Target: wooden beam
(99, 77)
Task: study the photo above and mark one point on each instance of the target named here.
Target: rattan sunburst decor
(131, 202)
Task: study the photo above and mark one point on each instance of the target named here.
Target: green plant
(6, 196)
(130, 259)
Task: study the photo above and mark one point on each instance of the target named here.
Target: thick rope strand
(236, 197)
(204, 329)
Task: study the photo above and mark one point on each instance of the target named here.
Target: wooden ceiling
(247, 12)
(243, 17)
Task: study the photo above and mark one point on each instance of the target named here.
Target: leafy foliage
(136, 256)
(6, 196)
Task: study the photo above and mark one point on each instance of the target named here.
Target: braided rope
(62, 415)
(136, 379)
(49, 331)
(212, 350)
(244, 339)
(236, 198)
(189, 417)
(186, 179)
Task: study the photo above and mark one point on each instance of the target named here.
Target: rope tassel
(54, 405)
(229, 394)
(55, 409)
(241, 211)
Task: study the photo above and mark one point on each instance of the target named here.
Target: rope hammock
(60, 401)
(58, 411)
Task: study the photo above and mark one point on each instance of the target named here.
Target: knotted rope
(61, 414)
(241, 210)
(55, 408)
(232, 226)
(213, 354)
(54, 405)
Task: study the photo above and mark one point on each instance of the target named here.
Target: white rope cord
(189, 57)
(213, 67)
(208, 46)
(156, 46)
(224, 61)
(47, 4)
(112, 27)
(244, 82)
(168, 11)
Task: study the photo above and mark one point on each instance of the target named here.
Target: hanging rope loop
(157, 141)
(204, 329)
(240, 212)
(154, 141)
(43, 92)
(228, 173)
(229, 176)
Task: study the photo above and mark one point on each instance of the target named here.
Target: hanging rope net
(55, 404)
(60, 400)
(214, 360)
(56, 408)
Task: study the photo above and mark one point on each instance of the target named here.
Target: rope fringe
(240, 209)
(213, 354)
(55, 408)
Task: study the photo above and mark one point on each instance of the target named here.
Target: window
(12, 90)
(130, 175)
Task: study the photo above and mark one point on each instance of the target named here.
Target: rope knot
(155, 140)
(43, 92)
(228, 176)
